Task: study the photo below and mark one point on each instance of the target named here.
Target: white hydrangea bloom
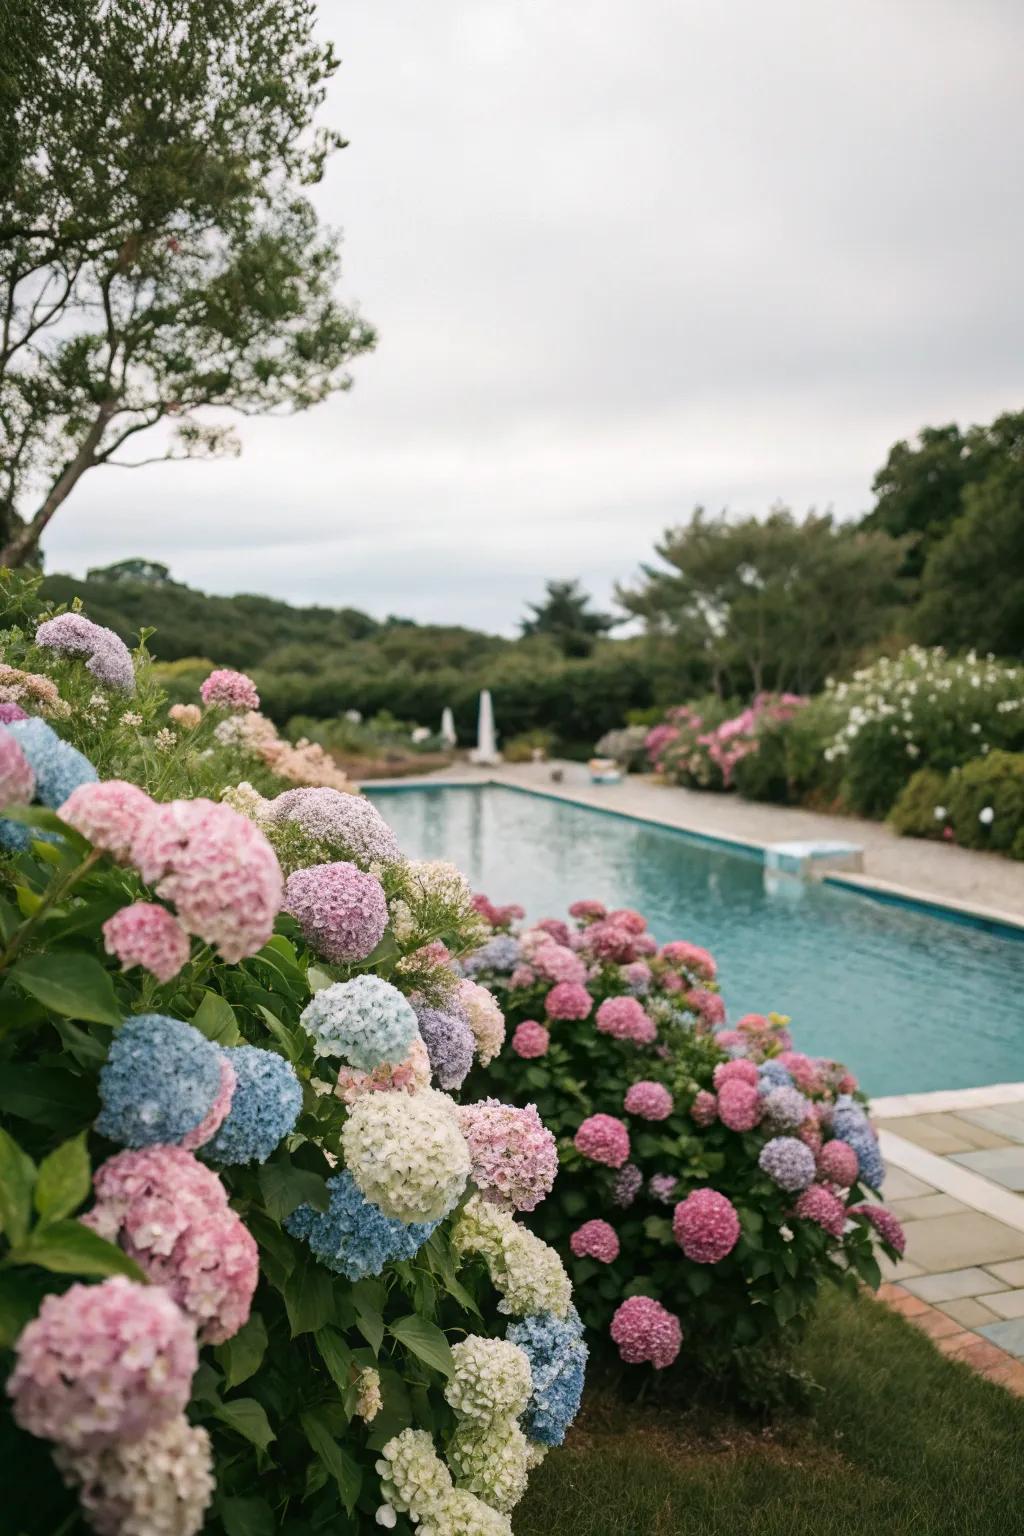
(413, 1478)
(492, 1379)
(463, 1514)
(491, 1460)
(529, 1273)
(407, 1154)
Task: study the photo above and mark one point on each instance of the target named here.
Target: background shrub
(914, 814)
(994, 783)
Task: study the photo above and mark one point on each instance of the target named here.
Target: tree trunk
(25, 540)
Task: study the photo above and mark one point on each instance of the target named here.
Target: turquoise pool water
(908, 1001)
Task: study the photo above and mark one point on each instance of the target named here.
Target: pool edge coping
(945, 909)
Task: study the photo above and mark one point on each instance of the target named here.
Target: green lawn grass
(901, 1442)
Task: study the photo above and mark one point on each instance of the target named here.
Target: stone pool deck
(901, 866)
(956, 1173)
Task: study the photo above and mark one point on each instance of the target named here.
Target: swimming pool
(908, 1001)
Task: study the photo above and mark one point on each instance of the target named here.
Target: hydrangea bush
(712, 1179)
(259, 1273)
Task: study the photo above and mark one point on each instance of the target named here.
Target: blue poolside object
(909, 1000)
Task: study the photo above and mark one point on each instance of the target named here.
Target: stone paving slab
(969, 1312)
(1007, 1121)
(946, 1134)
(1007, 1336)
(1005, 1303)
(953, 1285)
(952, 1242)
(1003, 1165)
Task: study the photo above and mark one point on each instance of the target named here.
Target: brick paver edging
(959, 1343)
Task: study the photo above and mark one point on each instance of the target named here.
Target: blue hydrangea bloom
(264, 1107)
(449, 1042)
(159, 1081)
(558, 1361)
(869, 1158)
(848, 1115)
(353, 1237)
(773, 1075)
(499, 954)
(59, 768)
(789, 1163)
(366, 1021)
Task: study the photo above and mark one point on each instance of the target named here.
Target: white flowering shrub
(249, 1282)
(921, 709)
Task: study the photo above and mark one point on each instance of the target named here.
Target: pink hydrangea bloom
(217, 868)
(888, 1227)
(610, 941)
(9, 712)
(649, 1100)
(530, 1039)
(672, 983)
(847, 1083)
(595, 1240)
(172, 1216)
(342, 912)
(558, 930)
(103, 1363)
(805, 1073)
(568, 1000)
(603, 1139)
(522, 976)
(147, 935)
(498, 917)
(821, 1206)
(704, 1108)
(740, 1070)
(809, 1132)
(588, 911)
(637, 973)
(624, 1019)
(409, 1076)
(109, 814)
(837, 1164)
(556, 963)
(628, 918)
(17, 781)
(514, 1156)
(709, 1005)
(706, 1226)
(229, 690)
(217, 1112)
(643, 1330)
(691, 958)
(729, 1039)
(739, 1105)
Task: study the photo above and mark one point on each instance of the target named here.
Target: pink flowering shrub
(704, 749)
(730, 1168)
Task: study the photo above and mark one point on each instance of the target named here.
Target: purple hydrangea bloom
(499, 954)
(869, 1158)
(662, 1187)
(788, 1163)
(342, 824)
(342, 912)
(449, 1042)
(785, 1109)
(10, 711)
(108, 658)
(628, 1183)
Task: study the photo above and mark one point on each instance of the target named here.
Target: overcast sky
(623, 258)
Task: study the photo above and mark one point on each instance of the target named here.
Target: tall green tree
(158, 250)
(767, 603)
(921, 488)
(566, 617)
(972, 590)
